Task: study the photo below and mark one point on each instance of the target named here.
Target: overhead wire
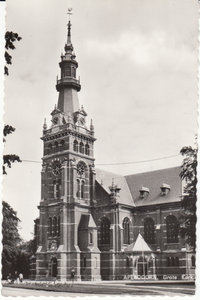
(119, 163)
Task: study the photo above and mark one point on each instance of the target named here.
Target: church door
(142, 266)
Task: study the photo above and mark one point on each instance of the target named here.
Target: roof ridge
(153, 171)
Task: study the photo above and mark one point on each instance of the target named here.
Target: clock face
(80, 168)
(56, 168)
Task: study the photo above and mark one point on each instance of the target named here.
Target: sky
(138, 69)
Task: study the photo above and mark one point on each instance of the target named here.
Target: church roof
(153, 181)
(138, 246)
(150, 182)
(105, 179)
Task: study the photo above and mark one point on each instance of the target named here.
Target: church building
(96, 225)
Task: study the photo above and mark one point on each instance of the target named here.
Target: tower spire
(69, 33)
(69, 12)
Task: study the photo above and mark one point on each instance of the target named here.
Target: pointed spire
(91, 127)
(45, 124)
(69, 33)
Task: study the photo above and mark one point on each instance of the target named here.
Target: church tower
(67, 231)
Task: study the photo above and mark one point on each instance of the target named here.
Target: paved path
(120, 289)
(6, 291)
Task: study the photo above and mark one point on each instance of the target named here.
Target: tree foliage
(8, 159)
(16, 253)
(189, 176)
(10, 38)
(10, 240)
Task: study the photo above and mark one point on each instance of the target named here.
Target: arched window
(56, 188)
(78, 188)
(75, 146)
(54, 229)
(149, 231)
(91, 237)
(87, 149)
(50, 148)
(126, 231)
(172, 229)
(193, 261)
(82, 189)
(105, 231)
(62, 145)
(81, 148)
(58, 226)
(50, 226)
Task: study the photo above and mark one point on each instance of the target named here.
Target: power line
(119, 163)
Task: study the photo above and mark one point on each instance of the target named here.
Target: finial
(45, 124)
(69, 12)
(55, 107)
(91, 126)
(69, 27)
(113, 182)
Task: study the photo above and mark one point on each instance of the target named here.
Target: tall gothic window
(172, 229)
(54, 229)
(126, 231)
(81, 148)
(87, 149)
(149, 231)
(105, 231)
(56, 188)
(82, 189)
(58, 226)
(50, 226)
(75, 146)
(78, 188)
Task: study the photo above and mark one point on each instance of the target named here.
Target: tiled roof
(105, 178)
(154, 180)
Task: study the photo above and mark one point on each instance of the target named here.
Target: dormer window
(165, 188)
(144, 192)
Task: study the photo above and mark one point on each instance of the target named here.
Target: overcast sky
(138, 68)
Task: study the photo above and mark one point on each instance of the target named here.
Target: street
(120, 288)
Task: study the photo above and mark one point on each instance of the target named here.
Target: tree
(25, 251)
(189, 175)
(10, 38)
(8, 159)
(10, 240)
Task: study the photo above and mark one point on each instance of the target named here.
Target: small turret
(91, 127)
